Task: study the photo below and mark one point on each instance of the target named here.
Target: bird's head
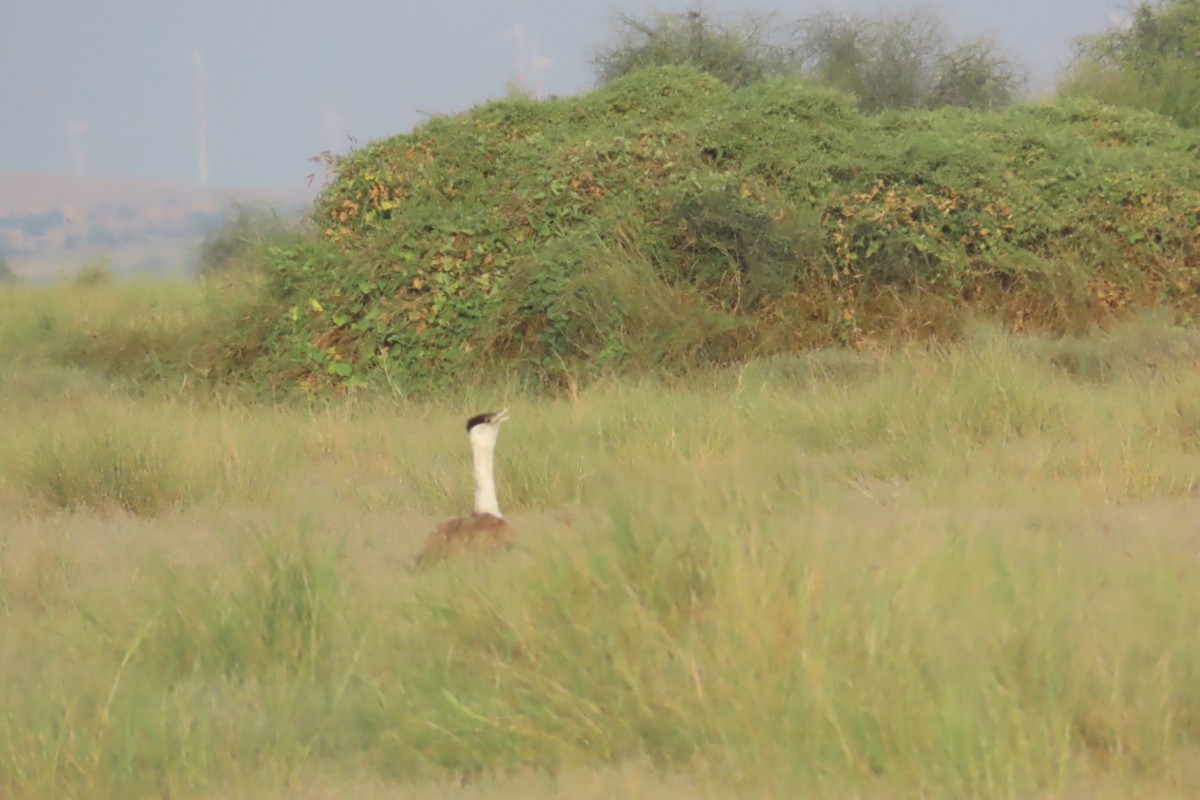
(485, 428)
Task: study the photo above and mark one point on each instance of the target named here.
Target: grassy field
(940, 572)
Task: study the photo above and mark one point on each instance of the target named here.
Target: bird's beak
(500, 417)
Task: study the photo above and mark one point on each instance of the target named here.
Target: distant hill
(49, 224)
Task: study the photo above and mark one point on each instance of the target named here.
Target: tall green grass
(145, 459)
(154, 336)
(955, 572)
(132, 329)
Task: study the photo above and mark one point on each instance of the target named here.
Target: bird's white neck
(485, 480)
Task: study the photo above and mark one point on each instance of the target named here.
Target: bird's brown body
(477, 533)
(486, 530)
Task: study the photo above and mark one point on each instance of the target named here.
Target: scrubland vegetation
(667, 221)
(852, 455)
(963, 570)
(1148, 63)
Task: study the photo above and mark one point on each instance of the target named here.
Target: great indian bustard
(486, 529)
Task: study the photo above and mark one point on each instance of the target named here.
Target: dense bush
(1153, 62)
(737, 53)
(7, 273)
(95, 271)
(235, 244)
(905, 60)
(901, 60)
(667, 220)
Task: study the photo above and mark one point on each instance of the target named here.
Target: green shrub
(667, 219)
(1151, 63)
(244, 231)
(95, 272)
(905, 60)
(7, 274)
(737, 53)
(901, 60)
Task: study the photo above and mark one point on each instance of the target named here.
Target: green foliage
(140, 331)
(7, 274)
(96, 454)
(236, 243)
(961, 571)
(973, 75)
(901, 60)
(95, 272)
(905, 60)
(737, 53)
(95, 464)
(1151, 63)
(666, 219)
(744, 249)
(274, 614)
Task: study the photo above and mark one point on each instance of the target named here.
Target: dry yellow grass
(965, 573)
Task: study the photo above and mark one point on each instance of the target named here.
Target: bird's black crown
(480, 419)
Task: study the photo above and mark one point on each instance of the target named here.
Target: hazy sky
(110, 87)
